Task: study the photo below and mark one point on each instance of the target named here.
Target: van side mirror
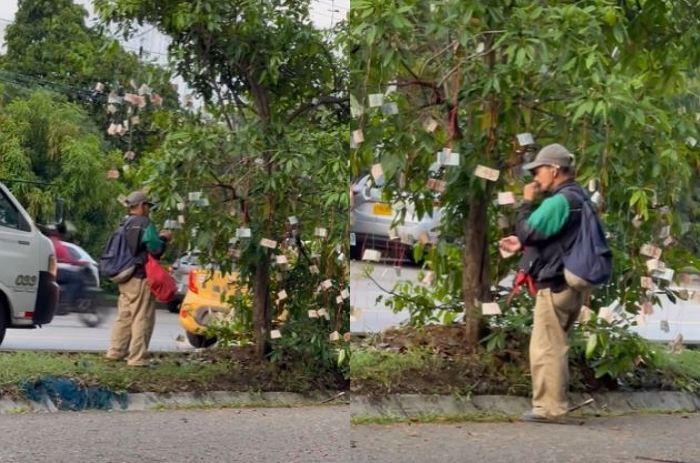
(59, 210)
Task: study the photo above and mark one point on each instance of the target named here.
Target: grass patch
(421, 370)
(686, 362)
(411, 363)
(176, 372)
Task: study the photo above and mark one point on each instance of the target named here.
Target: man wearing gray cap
(546, 231)
(136, 317)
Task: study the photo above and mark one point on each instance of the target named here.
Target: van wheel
(199, 341)
(4, 320)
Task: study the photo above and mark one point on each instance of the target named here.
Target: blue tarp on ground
(69, 394)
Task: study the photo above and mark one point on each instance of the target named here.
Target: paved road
(294, 435)
(662, 438)
(66, 332)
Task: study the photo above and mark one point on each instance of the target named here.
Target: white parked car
(371, 220)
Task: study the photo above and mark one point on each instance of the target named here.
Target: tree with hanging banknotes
(268, 153)
(614, 81)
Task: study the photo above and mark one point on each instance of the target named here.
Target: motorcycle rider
(71, 281)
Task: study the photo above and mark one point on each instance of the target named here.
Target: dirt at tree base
(435, 359)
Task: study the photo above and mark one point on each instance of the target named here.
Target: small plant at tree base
(236, 328)
(611, 349)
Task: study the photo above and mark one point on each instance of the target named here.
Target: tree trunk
(261, 309)
(475, 267)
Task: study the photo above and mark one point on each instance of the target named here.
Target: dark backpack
(588, 262)
(117, 263)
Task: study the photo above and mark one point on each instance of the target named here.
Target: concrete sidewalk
(407, 406)
(146, 401)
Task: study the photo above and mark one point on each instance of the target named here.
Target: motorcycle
(87, 305)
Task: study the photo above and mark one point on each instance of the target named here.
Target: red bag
(162, 283)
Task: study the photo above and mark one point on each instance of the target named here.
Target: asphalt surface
(292, 435)
(67, 333)
(659, 438)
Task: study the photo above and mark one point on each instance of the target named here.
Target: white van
(28, 268)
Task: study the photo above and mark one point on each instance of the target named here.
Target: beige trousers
(133, 327)
(555, 314)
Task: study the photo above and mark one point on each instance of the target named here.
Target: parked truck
(28, 269)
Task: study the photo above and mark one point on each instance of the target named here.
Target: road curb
(147, 401)
(407, 406)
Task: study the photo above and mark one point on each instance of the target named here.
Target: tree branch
(322, 101)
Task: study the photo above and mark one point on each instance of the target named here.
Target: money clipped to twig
(345, 294)
(647, 283)
(436, 185)
(243, 232)
(372, 255)
(605, 313)
(156, 100)
(334, 336)
(320, 232)
(292, 219)
(487, 173)
(637, 221)
(275, 334)
(666, 274)
(424, 238)
(525, 139)
(376, 100)
(585, 314)
(324, 313)
(357, 136)
(655, 265)
(314, 269)
(448, 158)
(313, 314)
(282, 295)
(676, 346)
(430, 125)
(268, 243)
(355, 314)
(377, 172)
(490, 308)
(327, 284)
(592, 185)
(503, 222)
(390, 109)
(647, 308)
(649, 250)
(506, 198)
